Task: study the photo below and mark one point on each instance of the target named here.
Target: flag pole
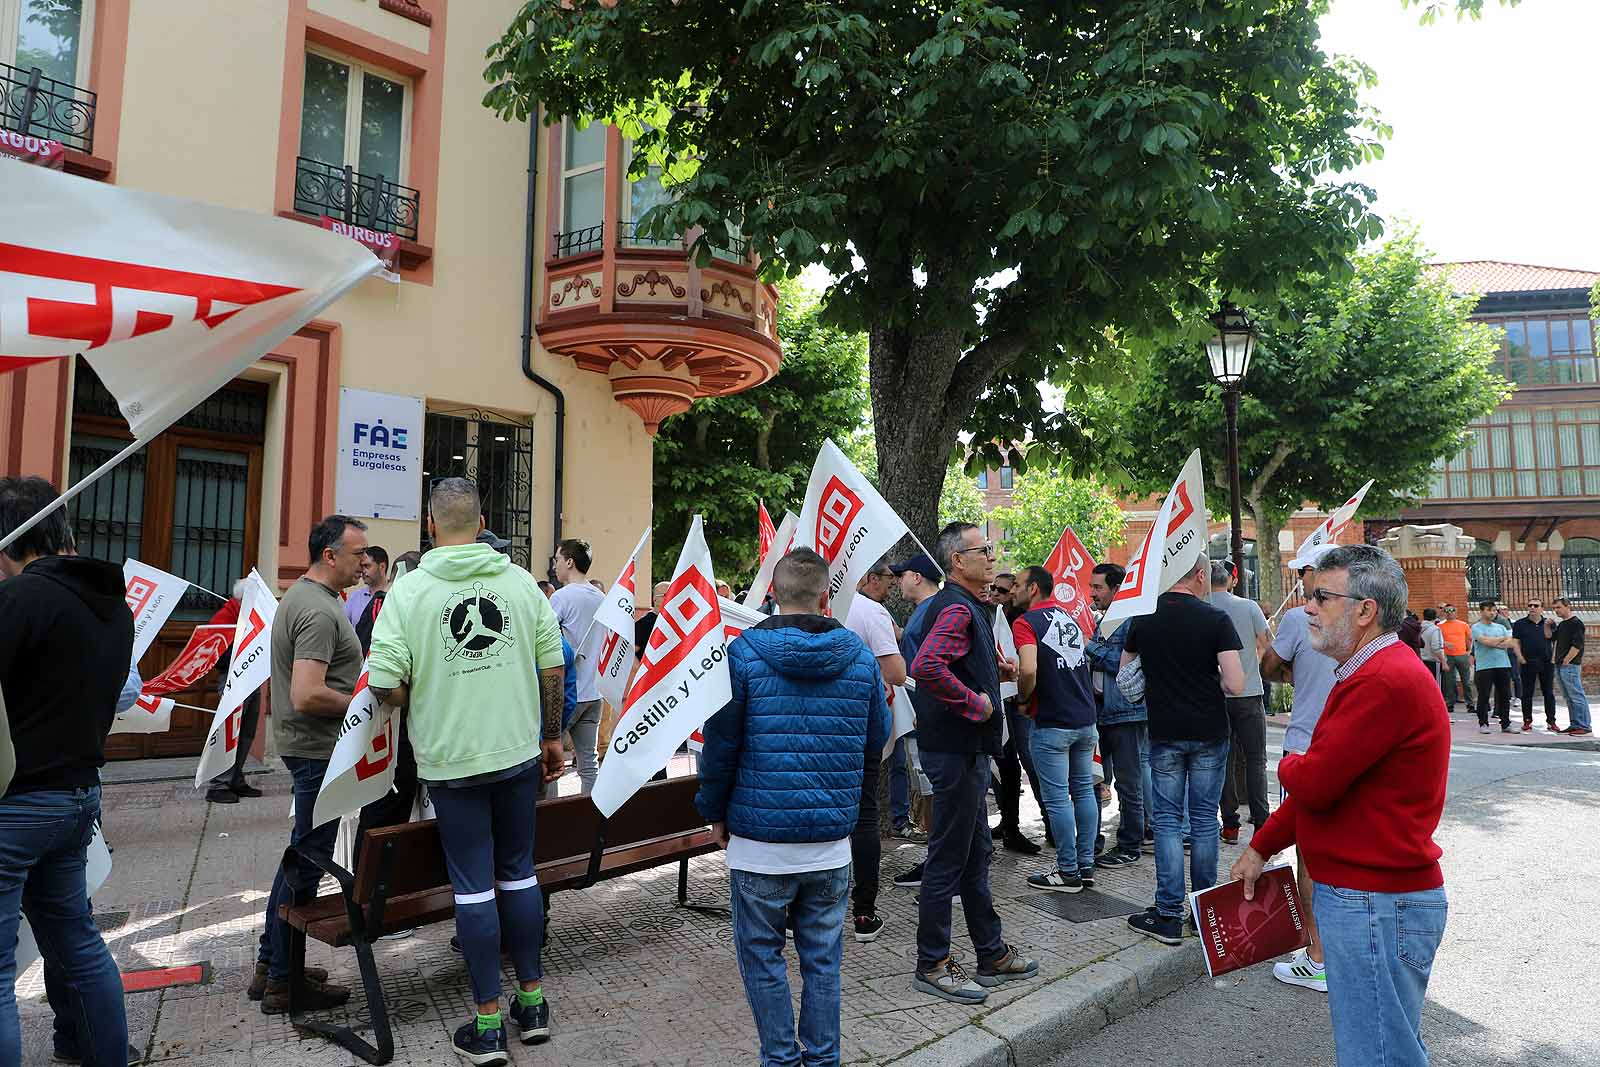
(930, 555)
(1287, 597)
(74, 491)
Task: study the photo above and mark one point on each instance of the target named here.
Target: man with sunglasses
(1534, 634)
(1456, 667)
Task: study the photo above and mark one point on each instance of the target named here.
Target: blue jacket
(569, 702)
(783, 760)
(1106, 658)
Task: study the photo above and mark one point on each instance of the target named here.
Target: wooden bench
(401, 883)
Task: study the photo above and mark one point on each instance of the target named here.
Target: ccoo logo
(838, 509)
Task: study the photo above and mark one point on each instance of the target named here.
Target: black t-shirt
(1535, 645)
(1569, 634)
(1178, 648)
(643, 627)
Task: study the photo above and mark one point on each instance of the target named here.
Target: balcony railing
(737, 250)
(629, 236)
(369, 200)
(32, 104)
(577, 242)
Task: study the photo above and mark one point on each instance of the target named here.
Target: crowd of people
(1167, 708)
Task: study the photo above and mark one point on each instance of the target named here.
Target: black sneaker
(244, 789)
(532, 1020)
(868, 927)
(909, 879)
(219, 794)
(482, 1048)
(1086, 876)
(64, 1054)
(1015, 842)
(1115, 858)
(1164, 928)
(1056, 882)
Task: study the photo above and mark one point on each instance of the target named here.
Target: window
(983, 479)
(1580, 569)
(496, 453)
(639, 196)
(1006, 478)
(1558, 350)
(583, 188)
(48, 34)
(357, 116)
(1525, 452)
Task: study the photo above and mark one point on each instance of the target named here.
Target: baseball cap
(488, 537)
(922, 564)
(1310, 557)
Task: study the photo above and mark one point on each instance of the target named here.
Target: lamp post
(1229, 352)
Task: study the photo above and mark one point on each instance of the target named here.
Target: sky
(1496, 146)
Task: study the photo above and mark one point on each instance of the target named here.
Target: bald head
(456, 511)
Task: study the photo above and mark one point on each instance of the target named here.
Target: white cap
(1310, 557)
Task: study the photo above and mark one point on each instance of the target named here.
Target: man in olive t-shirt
(316, 662)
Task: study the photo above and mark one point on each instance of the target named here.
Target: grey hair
(1219, 575)
(1374, 575)
(949, 542)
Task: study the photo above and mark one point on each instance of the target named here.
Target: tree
(994, 185)
(724, 454)
(1373, 376)
(1046, 500)
(959, 499)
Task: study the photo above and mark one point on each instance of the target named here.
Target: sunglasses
(1322, 596)
(987, 550)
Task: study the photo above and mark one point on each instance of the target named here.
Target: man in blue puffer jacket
(780, 781)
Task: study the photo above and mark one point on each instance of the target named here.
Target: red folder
(1235, 932)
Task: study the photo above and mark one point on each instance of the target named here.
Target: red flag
(205, 648)
(767, 531)
(1071, 565)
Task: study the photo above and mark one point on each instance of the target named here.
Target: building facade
(545, 340)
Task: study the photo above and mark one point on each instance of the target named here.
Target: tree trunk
(1268, 559)
(764, 437)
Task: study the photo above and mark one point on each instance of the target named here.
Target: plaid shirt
(947, 642)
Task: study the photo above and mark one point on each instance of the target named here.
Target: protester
(374, 576)
(229, 786)
(1122, 727)
(869, 620)
(1432, 644)
(1457, 665)
(66, 641)
(394, 808)
(918, 580)
(1568, 657)
(1534, 634)
(646, 624)
(1491, 655)
(1363, 805)
(1410, 633)
(1292, 658)
(376, 582)
(473, 651)
(959, 671)
(781, 781)
(1016, 755)
(1247, 715)
(575, 604)
(1055, 689)
(922, 577)
(1189, 652)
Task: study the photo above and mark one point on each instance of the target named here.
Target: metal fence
(32, 104)
(369, 200)
(1515, 582)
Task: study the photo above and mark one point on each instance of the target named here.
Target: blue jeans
(1571, 678)
(487, 834)
(297, 878)
(1379, 950)
(1125, 751)
(899, 786)
(44, 838)
(761, 905)
(1186, 774)
(1064, 760)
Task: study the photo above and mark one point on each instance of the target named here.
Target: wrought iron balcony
(34, 105)
(737, 250)
(629, 236)
(577, 242)
(369, 200)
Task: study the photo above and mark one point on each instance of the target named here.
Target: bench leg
(714, 910)
(345, 1036)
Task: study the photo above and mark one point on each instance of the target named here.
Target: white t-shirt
(575, 606)
(793, 857)
(870, 621)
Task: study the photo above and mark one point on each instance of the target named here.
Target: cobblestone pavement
(633, 979)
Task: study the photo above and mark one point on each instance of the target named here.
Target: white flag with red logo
(736, 619)
(902, 716)
(782, 541)
(204, 651)
(250, 668)
(766, 533)
(847, 522)
(1071, 565)
(682, 682)
(1176, 539)
(152, 596)
(149, 715)
(362, 766)
(615, 616)
(1328, 531)
(1005, 645)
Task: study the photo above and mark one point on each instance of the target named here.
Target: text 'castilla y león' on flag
(847, 522)
(682, 681)
(615, 617)
(250, 668)
(152, 596)
(361, 769)
(1176, 539)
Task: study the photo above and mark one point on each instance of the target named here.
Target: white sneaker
(1302, 970)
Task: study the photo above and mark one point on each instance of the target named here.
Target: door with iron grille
(495, 452)
(189, 502)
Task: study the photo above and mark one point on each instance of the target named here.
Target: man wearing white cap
(1290, 658)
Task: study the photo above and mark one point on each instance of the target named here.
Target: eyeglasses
(1003, 590)
(1449, 611)
(1322, 596)
(880, 574)
(987, 550)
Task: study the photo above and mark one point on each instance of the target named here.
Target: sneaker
(1507, 730)
(318, 997)
(1230, 834)
(1015, 842)
(1012, 967)
(1527, 727)
(258, 983)
(1485, 730)
(63, 1054)
(1576, 731)
(868, 927)
(242, 788)
(1164, 928)
(909, 879)
(218, 794)
(482, 1048)
(531, 1020)
(910, 833)
(1056, 882)
(949, 982)
(1301, 970)
(1115, 858)
(1086, 876)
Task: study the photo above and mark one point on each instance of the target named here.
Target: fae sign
(380, 455)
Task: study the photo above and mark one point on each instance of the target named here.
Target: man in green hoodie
(470, 646)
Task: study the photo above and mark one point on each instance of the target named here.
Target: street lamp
(1229, 352)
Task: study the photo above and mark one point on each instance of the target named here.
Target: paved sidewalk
(633, 979)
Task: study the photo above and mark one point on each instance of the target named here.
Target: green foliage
(1432, 10)
(1048, 499)
(959, 500)
(724, 454)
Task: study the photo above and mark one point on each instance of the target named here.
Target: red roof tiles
(1492, 276)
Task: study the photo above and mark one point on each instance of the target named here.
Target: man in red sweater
(1362, 807)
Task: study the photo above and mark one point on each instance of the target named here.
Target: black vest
(939, 728)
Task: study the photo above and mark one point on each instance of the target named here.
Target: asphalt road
(1515, 980)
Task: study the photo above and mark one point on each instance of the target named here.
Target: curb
(1060, 1013)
